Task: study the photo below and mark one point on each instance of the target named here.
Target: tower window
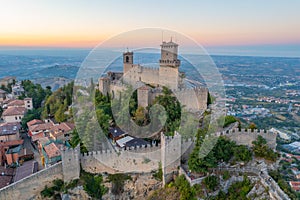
(127, 59)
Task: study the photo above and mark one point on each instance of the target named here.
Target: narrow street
(28, 145)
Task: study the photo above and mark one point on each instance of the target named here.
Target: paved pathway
(28, 145)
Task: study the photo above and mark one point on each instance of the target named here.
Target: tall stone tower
(143, 96)
(104, 85)
(170, 155)
(169, 65)
(71, 163)
(127, 61)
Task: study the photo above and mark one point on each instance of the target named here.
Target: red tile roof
(34, 121)
(295, 185)
(14, 111)
(11, 143)
(52, 150)
(16, 103)
(64, 127)
(40, 127)
(37, 137)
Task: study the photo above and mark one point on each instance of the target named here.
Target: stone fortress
(149, 81)
(139, 159)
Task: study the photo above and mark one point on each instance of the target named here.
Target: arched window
(127, 59)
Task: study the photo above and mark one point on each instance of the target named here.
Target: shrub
(211, 182)
(118, 181)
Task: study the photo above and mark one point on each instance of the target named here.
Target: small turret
(127, 61)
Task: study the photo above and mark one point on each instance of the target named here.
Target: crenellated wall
(135, 160)
(32, 185)
(138, 159)
(246, 137)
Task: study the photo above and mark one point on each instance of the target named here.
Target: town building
(2, 95)
(116, 133)
(16, 109)
(295, 185)
(9, 131)
(37, 127)
(17, 90)
(13, 114)
(7, 80)
(61, 131)
(4, 146)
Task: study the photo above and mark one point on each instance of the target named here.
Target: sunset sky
(79, 23)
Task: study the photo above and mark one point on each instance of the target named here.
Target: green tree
(173, 110)
(252, 126)
(58, 102)
(261, 149)
(223, 150)
(242, 153)
(30, 115)
(140, 116)
(103, 120)
(118, 181)
(93, 186)
(211, 182)
(186, 191)
(197, 163)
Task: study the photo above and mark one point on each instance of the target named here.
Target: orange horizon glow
(73, 41)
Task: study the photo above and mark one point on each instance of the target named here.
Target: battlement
(148, 68)
(255, 131)
(192, 89)
(134, 149)
(247, 136)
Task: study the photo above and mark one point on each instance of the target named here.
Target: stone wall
(32, 185)
(246, 137)
(137, 160)
(194, 99)
(169, 77)
(138, 73)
